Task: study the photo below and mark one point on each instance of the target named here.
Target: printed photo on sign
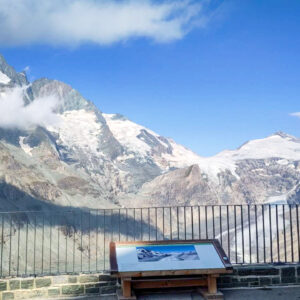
(166, 253)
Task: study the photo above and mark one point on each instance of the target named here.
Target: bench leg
(212, 284)
(126, 286)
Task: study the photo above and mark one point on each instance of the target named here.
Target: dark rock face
(11, 136)
(69, 98)
(155, 145)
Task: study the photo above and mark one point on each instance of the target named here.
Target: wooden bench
(138, 272)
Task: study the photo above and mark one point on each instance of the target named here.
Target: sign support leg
(212, 284)
(126, 286)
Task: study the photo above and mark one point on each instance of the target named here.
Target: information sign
(168, 255)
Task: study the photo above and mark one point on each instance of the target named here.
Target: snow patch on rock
(4, 78)
(79, 128)
(126, 132)
(25, 147)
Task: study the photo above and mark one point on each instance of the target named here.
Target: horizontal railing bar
(84, 210)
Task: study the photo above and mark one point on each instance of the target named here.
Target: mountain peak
(2, 60)
(283, 135)
(117, 116)
(9, 74)
(70, 99)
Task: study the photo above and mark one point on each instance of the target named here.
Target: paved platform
(274, 293)
(282, 293)
(289, 293)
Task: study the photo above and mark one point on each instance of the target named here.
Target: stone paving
(289, 293)
(281, 293)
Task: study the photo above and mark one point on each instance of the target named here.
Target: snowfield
(4, 79)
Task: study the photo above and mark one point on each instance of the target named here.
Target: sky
(209, 74)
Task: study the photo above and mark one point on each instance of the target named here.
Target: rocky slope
(95, 160)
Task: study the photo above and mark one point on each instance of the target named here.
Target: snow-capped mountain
(260, 171)
(146, 255)
(90, 159)
(143, 143)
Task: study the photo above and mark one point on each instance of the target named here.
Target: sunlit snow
(126, 132)
(26, 148)
(277, 146)
(4, 78)
(80, 129)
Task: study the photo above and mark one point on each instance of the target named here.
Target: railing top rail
(85, 210)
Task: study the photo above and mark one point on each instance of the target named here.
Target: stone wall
(57, 286)
(105, 286)
(261, 275)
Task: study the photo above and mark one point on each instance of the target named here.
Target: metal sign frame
(219, 250)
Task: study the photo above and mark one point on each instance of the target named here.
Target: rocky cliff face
(97, 160)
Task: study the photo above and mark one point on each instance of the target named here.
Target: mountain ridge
(96, 160)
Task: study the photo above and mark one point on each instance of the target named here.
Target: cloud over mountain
(15, 114)
(73, 22)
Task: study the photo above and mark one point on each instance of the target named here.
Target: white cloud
(73, 22)
(27, 69)
(14, 114)
(295, 114)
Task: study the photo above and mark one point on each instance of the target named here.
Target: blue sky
(232, 77)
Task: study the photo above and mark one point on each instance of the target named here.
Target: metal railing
(64, 242)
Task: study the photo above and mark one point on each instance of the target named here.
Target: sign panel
(158, 256)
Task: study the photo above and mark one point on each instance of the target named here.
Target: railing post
(141, 224)
(271, 236)
(291, 233)
(256, 232)
(228, 231)
(242, 226)
(206, 222)
(213, 219)
(284, 234)
(34, 244)
(235, 235)
(171, 231)
(249, 226)
(178, 223)
(192, 221)
(298, 233)
(264, 236)
(2, 244)
(74, 239)
(277, 234)
(199, 222)
(43, 237)
(221, 230)
(163, 219)
(184, 211)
